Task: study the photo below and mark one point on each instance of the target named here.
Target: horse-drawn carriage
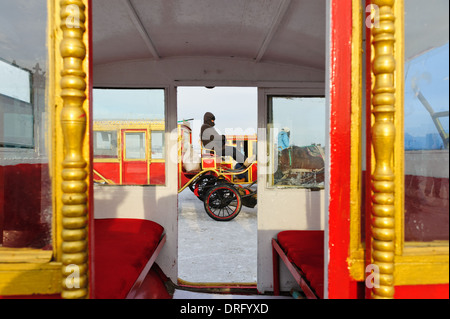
(222, 188)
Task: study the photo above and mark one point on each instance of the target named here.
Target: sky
(128, 104)
(235, 108)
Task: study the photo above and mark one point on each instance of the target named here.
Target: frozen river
(214, 251)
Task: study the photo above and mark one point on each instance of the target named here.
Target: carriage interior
(304, 55)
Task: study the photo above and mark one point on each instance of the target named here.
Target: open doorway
(211, 251)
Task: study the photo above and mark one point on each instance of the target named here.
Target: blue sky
(429, 72)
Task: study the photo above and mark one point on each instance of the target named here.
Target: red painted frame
(338, 283)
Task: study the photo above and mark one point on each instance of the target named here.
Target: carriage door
(134, 157)
(291, 141)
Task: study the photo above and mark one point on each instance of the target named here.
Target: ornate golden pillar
(383, 136)
(74, 223)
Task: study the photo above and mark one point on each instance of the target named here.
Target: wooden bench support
(138, 283)
(299, 276)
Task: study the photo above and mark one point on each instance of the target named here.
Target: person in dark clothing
(212, 140)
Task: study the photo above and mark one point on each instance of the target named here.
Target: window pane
(25, 184)
(157, 144)
(129, 123)
(426, 120)
(296, 139)
(105, 144)
(135, 145)
(16, 111)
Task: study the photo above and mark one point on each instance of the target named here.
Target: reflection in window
(135, 145)
(16, 111)
(157, 139)
(105, 144)
(25, 184)
(426, 120)
(129, 124)
(296, 140)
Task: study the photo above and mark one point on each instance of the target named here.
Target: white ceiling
(290, 32)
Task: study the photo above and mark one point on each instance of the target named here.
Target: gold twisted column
(73, 122)
(383, 135)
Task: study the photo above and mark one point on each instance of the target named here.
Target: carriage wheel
(202, 185)
(223, 202)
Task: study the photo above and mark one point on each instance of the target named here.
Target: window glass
(254, 147)
(296, 142)
(240, 147)
(426, 120)
(186, 140)
(129, 129)
(157, 138)
(135, 145)
(25, 185)
(16, 112)
(105, 144)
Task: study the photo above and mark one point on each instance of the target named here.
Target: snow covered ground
(214, 251)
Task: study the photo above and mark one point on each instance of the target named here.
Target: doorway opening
(211, 251)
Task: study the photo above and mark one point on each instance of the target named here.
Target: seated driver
(212, 140)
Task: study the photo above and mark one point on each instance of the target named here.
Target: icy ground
(214, 251)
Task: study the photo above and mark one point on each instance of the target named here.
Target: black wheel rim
(223, 203)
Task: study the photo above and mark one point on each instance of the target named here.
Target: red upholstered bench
(302, 252)
(125, 250)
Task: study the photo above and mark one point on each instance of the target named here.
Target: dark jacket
(210, 138)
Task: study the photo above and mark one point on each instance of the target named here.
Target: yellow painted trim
(106, 160)
(356, 246)
(148, 145)
(55, 102)
(425, 266)
(145, 131)
(30, 278)
(158, 160)
(26, 255)
(421, 269)
(102, 178)
(399, 145)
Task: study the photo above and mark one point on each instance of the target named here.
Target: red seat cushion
(305, 248)
(301, 239)
(122, 249)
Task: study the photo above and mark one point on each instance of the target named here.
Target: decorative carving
(73, 121)
(383, 135)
